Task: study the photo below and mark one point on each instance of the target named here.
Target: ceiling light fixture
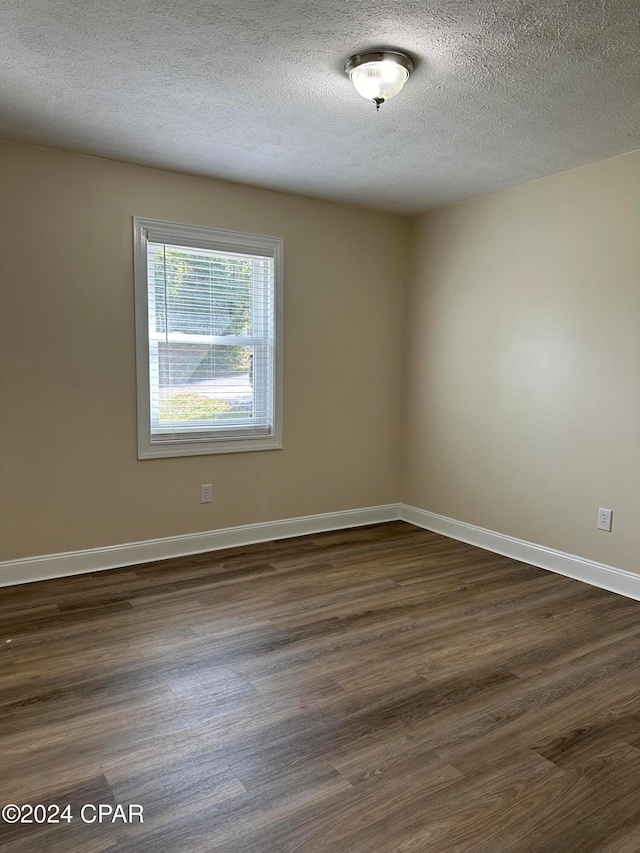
(379, 74)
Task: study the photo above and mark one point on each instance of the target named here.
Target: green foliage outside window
(191, 407)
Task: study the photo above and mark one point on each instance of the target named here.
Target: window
(208, 339)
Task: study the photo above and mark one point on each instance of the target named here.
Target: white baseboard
(597, 574)
(50, 566)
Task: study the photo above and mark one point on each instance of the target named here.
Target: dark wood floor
(368, 691)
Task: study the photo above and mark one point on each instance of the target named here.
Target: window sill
(168, 449)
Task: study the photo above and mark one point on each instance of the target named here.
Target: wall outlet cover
(605, 517)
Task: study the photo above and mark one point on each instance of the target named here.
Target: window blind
(211, 343)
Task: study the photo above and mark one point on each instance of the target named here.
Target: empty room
(319, 426)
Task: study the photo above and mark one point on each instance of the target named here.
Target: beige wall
(523, 381)
(69, 473)
(514, 340)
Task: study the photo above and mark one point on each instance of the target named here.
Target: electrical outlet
(205, 493)
(604, 519)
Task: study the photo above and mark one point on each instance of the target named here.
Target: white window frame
(154, 230)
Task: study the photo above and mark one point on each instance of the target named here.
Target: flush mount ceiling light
(379, 74)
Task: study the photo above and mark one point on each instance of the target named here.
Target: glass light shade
(379, 79)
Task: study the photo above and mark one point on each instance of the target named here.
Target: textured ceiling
(505, 90)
